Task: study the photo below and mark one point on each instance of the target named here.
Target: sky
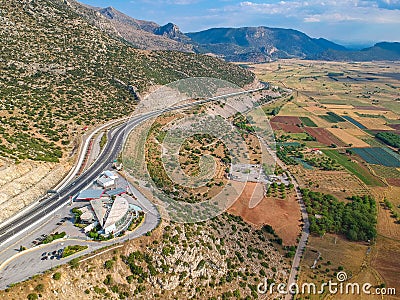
(358, 22)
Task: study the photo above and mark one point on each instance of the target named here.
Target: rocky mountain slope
(259, 43)
(60, 72)
(252, 44)
(142, 34)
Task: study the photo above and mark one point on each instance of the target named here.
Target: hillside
(259, 43)
(60, 73)
(223, 258)
(380, 51)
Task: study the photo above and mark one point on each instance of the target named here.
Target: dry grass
(346, 137)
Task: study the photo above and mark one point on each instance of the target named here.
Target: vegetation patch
(54, 236)
(389, 138)
(308, 122)
(71, 250)
(332, 117)
(356, 219)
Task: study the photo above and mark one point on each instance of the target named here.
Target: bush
(57, 276)
(39, 288)
(109, 264)
(74, 263)
(32, 296)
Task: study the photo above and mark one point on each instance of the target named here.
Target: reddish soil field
(324, 136)
(393, 181)
(395, 126)
(291, 128)
(371, 108)
(282, 214)
(286, 120)
(275, 126)
(384, 261)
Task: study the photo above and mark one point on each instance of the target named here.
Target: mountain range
(246, 44)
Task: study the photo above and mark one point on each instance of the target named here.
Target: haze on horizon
(347, 21)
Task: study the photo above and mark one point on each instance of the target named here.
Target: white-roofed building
(99, 209)
(117, 215)
(110, 174)
(105, 182)
(87, 214)
(89, 195)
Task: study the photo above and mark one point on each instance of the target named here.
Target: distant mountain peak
(171, 31)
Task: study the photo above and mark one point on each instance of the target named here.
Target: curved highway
(108, 155)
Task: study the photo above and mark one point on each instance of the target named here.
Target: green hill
(59, 73)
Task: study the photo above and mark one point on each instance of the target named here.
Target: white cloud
(312, 20)
(312, 11)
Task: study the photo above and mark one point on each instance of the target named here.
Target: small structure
(105, 182)
(87, 215)
(87, 195)
(248, 172)
(90, 227)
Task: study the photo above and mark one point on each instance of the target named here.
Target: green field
(354, 168)
(301, 136)
(308, 122)
(332, 117)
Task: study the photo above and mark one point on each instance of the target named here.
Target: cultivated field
(345, 104)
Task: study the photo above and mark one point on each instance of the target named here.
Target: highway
(9, 232)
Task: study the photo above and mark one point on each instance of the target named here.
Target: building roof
(115, 192)
(87, 214)
(99, 210)
(110, 174)
(90, 194)
(105, 180)
(118, 210)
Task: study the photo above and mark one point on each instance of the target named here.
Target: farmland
(325, 137)
(308, 122)
(342, 111)
(353, 167)
(377, 156)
